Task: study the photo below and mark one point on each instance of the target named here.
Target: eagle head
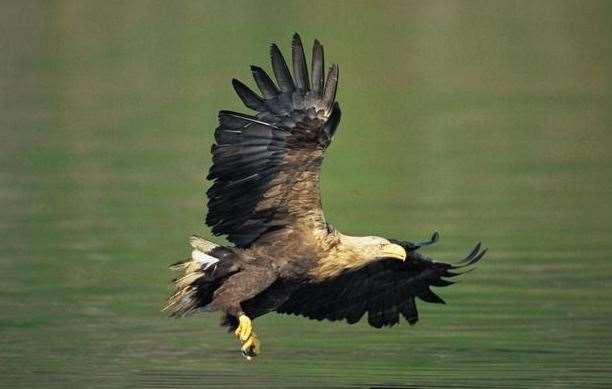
(371, 248)
(376, 248)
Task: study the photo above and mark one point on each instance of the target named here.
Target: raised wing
(383, 289)
(266, 166)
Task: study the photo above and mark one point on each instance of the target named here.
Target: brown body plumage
(265, 198)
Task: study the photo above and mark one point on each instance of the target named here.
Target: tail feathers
(202, 244)
(199, 277)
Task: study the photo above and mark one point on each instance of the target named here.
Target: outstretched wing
(384, 289)
(266, 166)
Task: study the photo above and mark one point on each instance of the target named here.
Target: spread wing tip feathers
(255, 156)
(287, 84)
(443, 270)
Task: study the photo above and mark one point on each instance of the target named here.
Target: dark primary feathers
(383, 289)
(266, 166)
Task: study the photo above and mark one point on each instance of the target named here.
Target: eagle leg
(240, 288)
(251, 345)
(245, 328)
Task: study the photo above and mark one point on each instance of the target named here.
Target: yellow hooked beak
(395, 251)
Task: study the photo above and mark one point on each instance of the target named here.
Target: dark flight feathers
(383, 289)
(257, 157)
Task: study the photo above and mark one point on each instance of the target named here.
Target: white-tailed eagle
(265, 199)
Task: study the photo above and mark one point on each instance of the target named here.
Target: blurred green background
(483, 120)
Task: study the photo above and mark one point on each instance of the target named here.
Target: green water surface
(483, 120)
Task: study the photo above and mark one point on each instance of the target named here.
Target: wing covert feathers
(266, 166)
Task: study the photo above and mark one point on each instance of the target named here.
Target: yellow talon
(251, 348)
(245, 328)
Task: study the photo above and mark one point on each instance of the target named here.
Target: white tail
(192, 270)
